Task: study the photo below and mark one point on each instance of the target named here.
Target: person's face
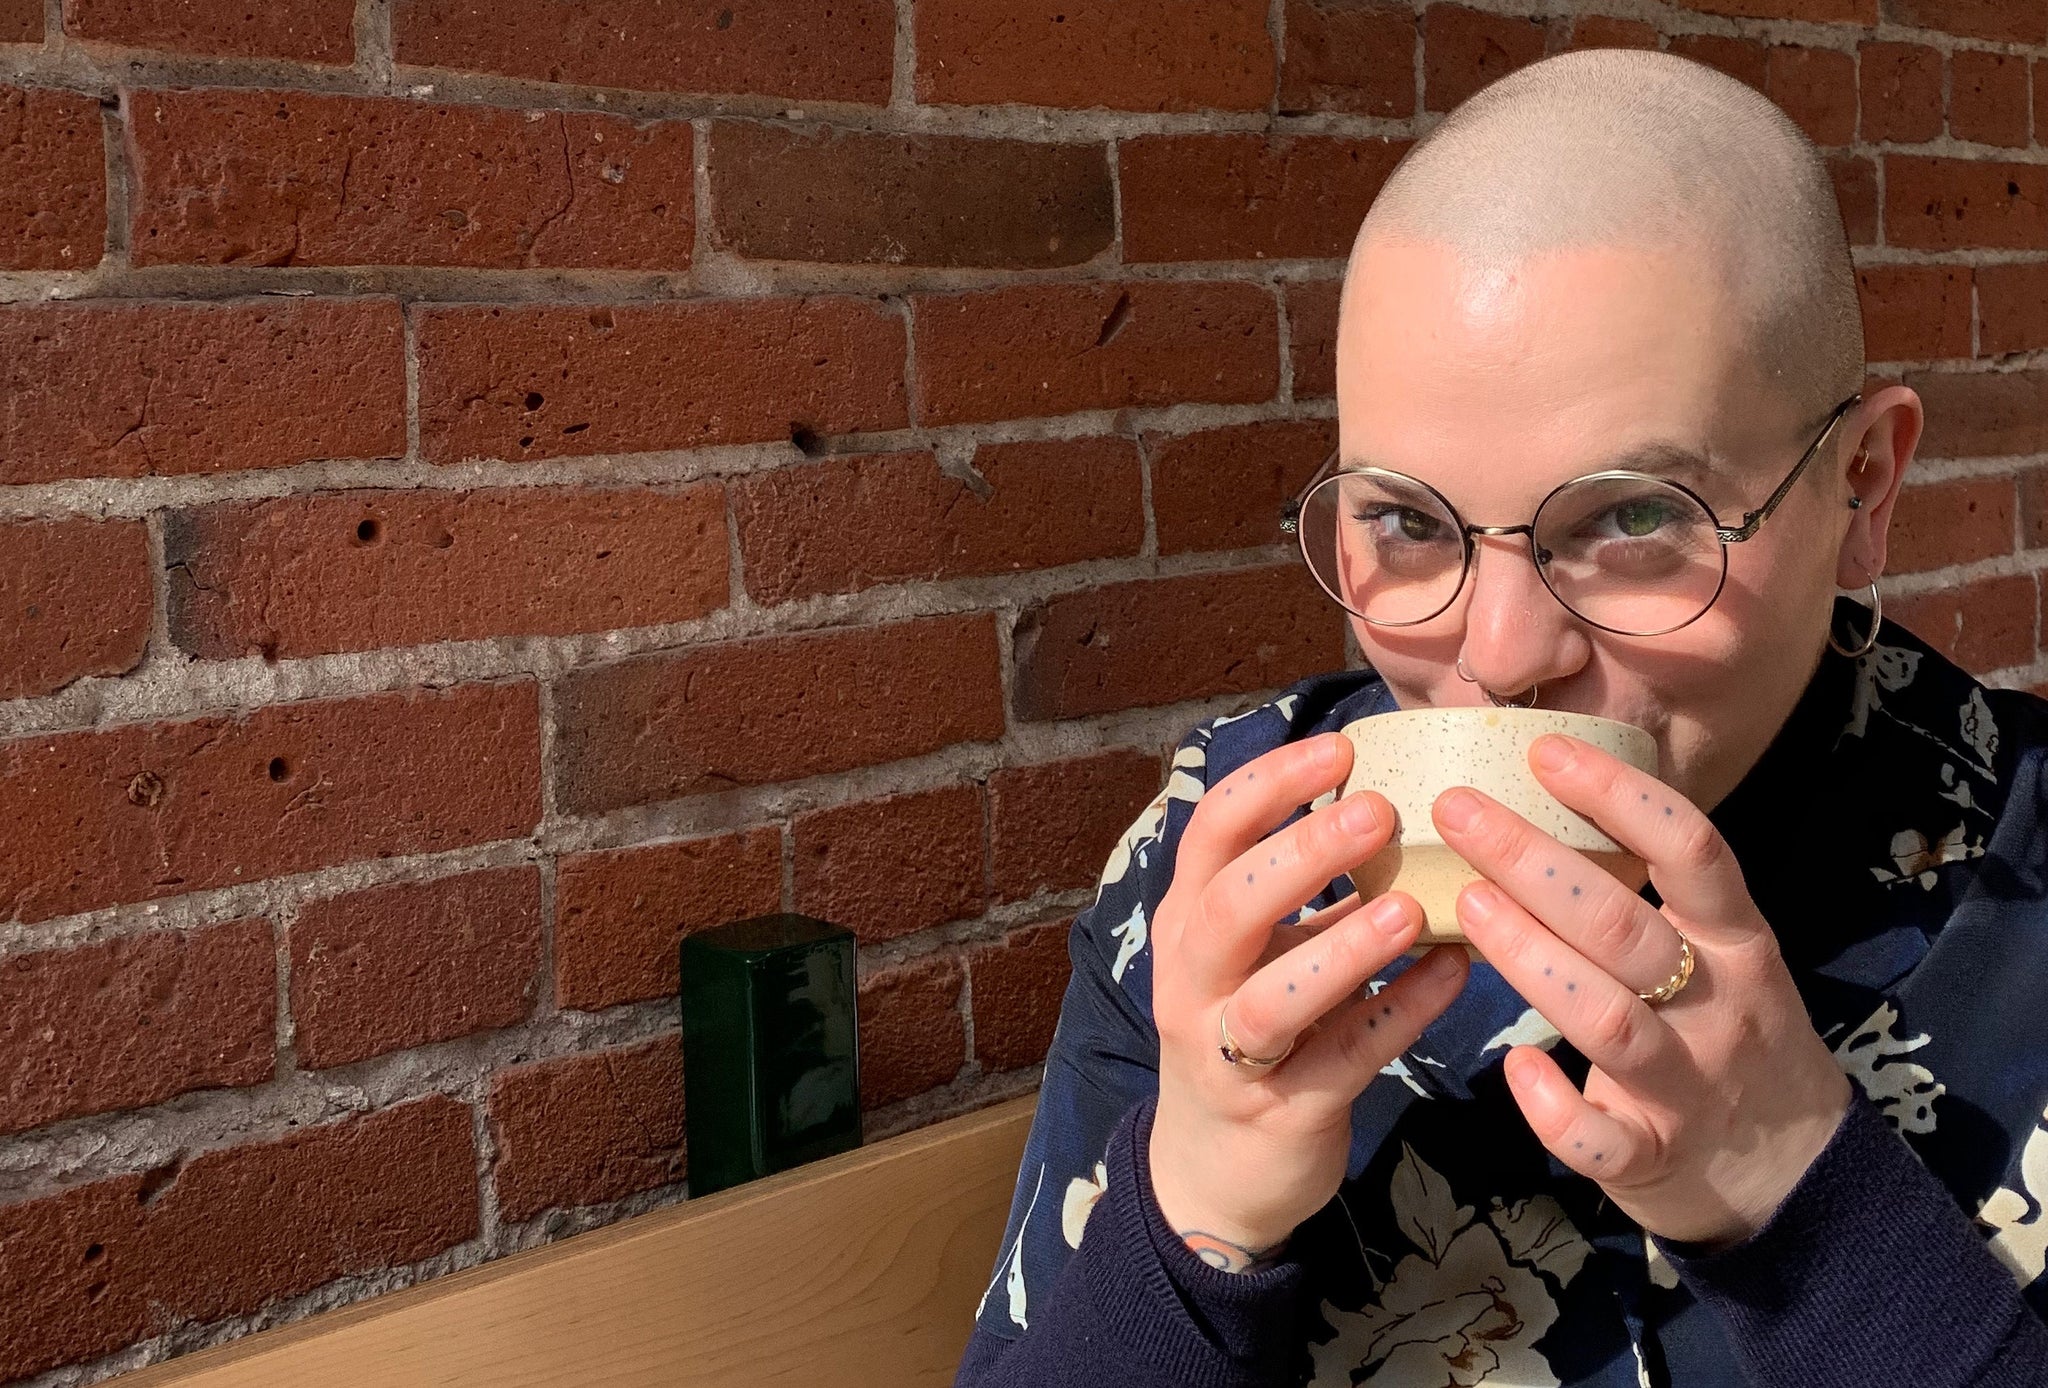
(1494, 389)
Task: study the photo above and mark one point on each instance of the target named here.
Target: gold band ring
(1672, 986)
(1235, 1053)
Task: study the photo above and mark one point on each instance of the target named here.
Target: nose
(1516, 634)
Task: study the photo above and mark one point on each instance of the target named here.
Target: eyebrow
(1656, 459)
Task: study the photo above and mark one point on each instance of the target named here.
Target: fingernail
(1458, 809)
(1388, 916)
(1480, 900)
(1552, 753)
(1327, 749)
(1439, 964)
(1356, 818)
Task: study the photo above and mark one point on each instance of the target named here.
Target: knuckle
(1700, 845)
(1616, 1024)
(1613, 924)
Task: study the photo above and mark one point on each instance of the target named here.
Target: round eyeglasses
(1627, 552)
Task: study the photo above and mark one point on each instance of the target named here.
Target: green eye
(1417, 526)
(1641, 517)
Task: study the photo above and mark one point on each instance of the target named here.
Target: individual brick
(1812, 11)
(1312, 336)
(1947, 523)
(1247, 196)
(1052, 826)
(843, 524)
(53, 177)
(142, 811)
(294, 178)
(892, 867)
(412, 963)
(1914, 312)
(1745, 60)
(912, 1036)
(97, 1267)
(1983, 414)
(21, 21)
(1017, 984)
(134, 1021)
(815, 50)
(1940, 204)
(1988, 98)
(523, 382)
(365, 570)
(2001, 21)
(306, 31)
(1983, 626)
(1224, 488)
(1049, 349)
(2033, 488)
(2012, 307)
(1817, 88)
(1160, 641)
(658, 727)
(1856, 194)
(1133, 55)
(116, 389)
(588, 1128)
(1605, 31)
(2041, 101)
(1901, 92)
(75, 600)
(852, 197)
(1464, 50)
(1356, 56)
(621, 912)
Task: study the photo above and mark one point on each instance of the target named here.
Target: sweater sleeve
(1135, 1305)
(1869, 1273)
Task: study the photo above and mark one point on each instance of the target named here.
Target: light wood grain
(862, 1269)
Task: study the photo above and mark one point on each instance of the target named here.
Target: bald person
(1776, 1118)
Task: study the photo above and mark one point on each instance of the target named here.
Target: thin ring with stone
(1235, 1053)
(1463, 673)
(1674, 985)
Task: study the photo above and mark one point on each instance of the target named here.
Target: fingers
(1278, 1003)
(1588, 1139)
(1691, 864)
(1231, 924)
(1359, 1040)
(1251, 801)
(1598, 1014)
(1587, 908)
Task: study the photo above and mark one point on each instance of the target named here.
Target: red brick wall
(487, 488)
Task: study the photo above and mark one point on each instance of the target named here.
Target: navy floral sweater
(1893, 834)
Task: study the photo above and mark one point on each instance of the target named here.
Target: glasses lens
(1630, 554)
(1386, 549)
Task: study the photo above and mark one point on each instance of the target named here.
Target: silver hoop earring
(1463, 673)
(1869, 641)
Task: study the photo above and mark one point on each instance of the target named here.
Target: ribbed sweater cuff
(1868, 1265)
(1193, 1323)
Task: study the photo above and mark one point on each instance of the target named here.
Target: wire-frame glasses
(1627, 552)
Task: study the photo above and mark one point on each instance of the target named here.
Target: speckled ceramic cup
(1412, 757)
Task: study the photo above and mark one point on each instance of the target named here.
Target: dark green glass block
(771, 1050)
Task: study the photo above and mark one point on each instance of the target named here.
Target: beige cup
(1413, 757)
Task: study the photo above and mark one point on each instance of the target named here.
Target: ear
(1871, 463)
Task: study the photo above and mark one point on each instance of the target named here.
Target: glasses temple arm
(1752, 521)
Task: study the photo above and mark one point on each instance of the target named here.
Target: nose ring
(1491, 697)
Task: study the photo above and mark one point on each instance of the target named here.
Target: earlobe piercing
(1855, 503)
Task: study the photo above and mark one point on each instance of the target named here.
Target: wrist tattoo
(1225, 1256)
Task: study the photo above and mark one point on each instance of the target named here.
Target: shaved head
(1614, 147)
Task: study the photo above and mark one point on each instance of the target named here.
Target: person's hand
(1240, 1155)
(1700, 1114)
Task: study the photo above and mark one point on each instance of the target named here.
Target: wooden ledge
(861, 1269)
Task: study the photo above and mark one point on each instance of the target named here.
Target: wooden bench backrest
(862, 1269)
